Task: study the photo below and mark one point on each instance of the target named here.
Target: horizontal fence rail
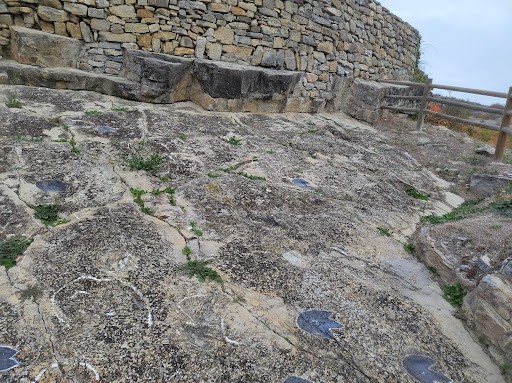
(506, 123)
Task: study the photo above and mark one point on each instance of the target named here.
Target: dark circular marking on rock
(303, 184)
(7, 361)
(420, 367)
(105, 129)
(294, 379)
(317, 322)
(51, 186)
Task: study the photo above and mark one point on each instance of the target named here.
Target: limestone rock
(486, 184)
(51, 14)
(34, 47)
(489, 311)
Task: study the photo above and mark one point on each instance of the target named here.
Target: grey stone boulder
(486, 150)
(487, 184)
(29, 46)
(488, 309)
(233, 81)
(163, 78)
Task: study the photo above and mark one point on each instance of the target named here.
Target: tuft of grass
(230, 169)
(186, 251)
(385, 232)
(150, 164)
(412, 192)
(433, 270)
(234, 141)
(13, 101)
(213, 175)
(19, 137)
(49, 214)
(201, 269)
(475, 160)
(145, 210)
(120, 109)
(454, 294)
(503, 207)
(194, 229)
(251, 177)
(92, 113)
(506, 369)
(410, 248)
(170, 193)
(12, 249)
(182, 136)
(466, 209)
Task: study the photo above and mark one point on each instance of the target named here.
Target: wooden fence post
(421, 114)
(505, 122)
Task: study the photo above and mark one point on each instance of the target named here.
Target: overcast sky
(465, 43)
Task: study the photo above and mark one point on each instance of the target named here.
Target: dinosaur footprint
(294, 379)
(420, 367)
(7, 361)
(317, 322)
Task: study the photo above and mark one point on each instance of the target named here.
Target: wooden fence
(506, 123)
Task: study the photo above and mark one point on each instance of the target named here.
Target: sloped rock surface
(105, 295)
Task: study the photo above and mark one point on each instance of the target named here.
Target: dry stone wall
(325, 39)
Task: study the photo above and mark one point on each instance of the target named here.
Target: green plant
(201, 270)
(92, 113)
(48, 214)
(186, 251)
(465, 210)
(150, 164)
(251, 177)
(230, 169)
(433, 270)
(182, 136)
(385, 231)
(170, 192)
(137, 195)
(506, 369)
(503, 207)
(475, 160)
(13, 101)
(12, 249)
(213, 175)
(145, 210)
(412, 192)
(234, 141)
(19, 137)
(418, 74)
(454, 294)
(410, 248)
(120, 109)
(194, 229)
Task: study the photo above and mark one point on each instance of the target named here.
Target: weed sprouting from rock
(412, 192)
(49, 214)
(385, 231)
(454, 294)
(410, 248)
(149, 163)
(13, 101)
(12, 249)
(466, 209)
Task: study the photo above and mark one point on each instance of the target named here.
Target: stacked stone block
(326, 39)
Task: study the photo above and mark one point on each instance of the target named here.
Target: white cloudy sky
(465, 43)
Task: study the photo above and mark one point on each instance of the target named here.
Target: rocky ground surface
(296, 222)
(472, 246)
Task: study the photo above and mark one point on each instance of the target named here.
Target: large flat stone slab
(33, 47)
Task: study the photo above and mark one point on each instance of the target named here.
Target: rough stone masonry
(326, 39)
